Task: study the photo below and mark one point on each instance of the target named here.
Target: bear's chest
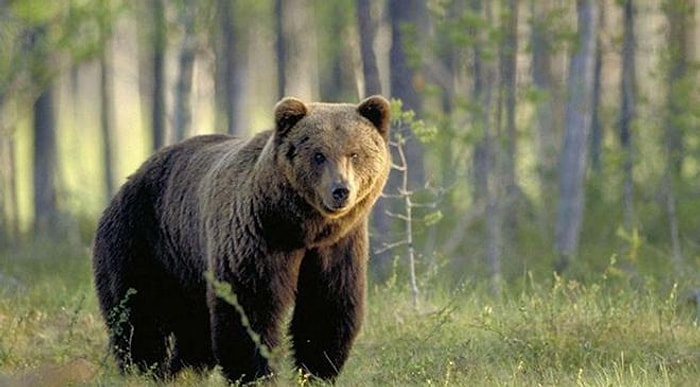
(288, 233)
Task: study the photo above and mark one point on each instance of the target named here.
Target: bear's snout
(340, 193)
(338, 197)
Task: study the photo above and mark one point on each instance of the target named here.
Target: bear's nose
(340, 194)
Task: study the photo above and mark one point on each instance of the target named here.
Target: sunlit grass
(553, 332)
(560, 335)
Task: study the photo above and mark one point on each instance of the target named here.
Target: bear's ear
(377, 110)
(288, 112)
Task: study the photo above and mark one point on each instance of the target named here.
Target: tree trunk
(487, 176)
(505, 207)
(44, 146)
(481, 116)
(508, 55)
(579, 113)
(45, 208)
(14, 199)
(380, 262)
(4, 189)
(297, 49)
(494, 227)
(402, 14)
(493, 166)
(8, 191)
(230, 67)
(680, 14)
(546, 147)
(106, 122)
(596, 125)
(158, 63)
(280, 50)
(183, 92)
(481, 92)
(336, 69)
(370, 70)
(406, 25)
(628, 113)
(669, 198)
(405, 20)
(680, 80)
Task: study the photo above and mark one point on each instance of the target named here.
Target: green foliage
(464, 28)
(557, 26)
(432, 218)
(401, 118)
(36, 11)
(120, 314)
(39, 39)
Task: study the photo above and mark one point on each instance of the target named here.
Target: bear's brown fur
(281, 217)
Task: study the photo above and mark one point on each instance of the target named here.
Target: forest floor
(552, 333)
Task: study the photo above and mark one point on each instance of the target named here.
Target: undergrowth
(550, 331)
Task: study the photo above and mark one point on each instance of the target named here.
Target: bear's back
(186, 162)
(174, 178)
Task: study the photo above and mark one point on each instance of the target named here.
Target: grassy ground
(554, 333)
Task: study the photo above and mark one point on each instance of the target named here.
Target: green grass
(555, 332)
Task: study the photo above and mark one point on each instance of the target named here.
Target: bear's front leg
(238, 343)
(329, 305)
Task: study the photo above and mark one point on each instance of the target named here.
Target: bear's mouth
(335, 211)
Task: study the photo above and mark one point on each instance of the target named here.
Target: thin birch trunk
(408, 222)
(579, 113)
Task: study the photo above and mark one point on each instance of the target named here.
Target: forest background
(540, 226)
(538, 136)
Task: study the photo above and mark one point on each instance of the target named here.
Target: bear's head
(334, 155)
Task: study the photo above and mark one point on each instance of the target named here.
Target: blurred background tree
(565, 132)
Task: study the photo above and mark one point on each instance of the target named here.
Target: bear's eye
(319, 158)
(354, 156)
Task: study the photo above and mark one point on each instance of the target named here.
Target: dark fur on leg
(329, 306)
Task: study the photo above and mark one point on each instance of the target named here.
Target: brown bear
(281, 218)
